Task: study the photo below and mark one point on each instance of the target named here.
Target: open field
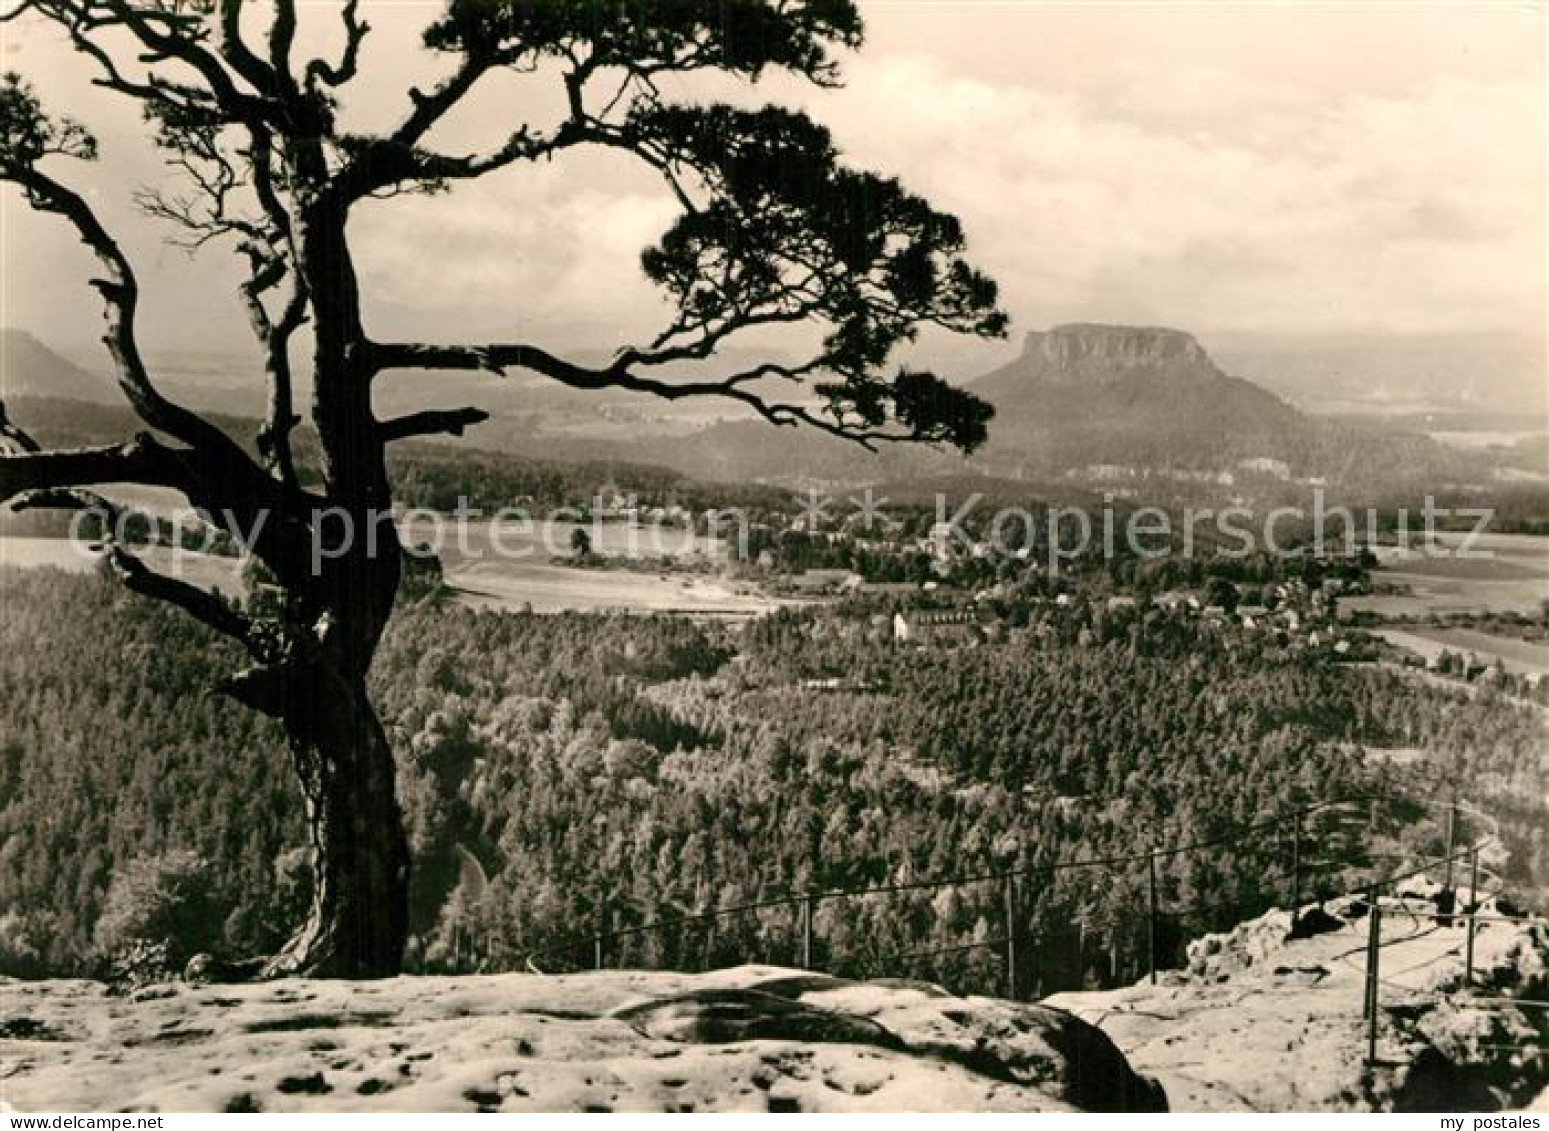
(556, 588)
(1483, 557)
(207, 571)
(479, 576)
(520, 564)
(1498, 568)
(1534, 546)
(538, 540)
(1477, 441)
(1493, 573)
(1429, 595)
(1519, 657)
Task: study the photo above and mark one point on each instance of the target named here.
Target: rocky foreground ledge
(752, 1038)
(1267, 1016)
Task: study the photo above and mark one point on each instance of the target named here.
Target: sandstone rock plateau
(751, 1038)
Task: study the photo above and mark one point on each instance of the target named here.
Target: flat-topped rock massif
(1089, 350)
(751, 1038)
(1137, 396)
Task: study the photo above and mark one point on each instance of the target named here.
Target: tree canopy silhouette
(774, 230)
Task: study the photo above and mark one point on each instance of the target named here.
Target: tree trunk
(358, 923)
(359, 919)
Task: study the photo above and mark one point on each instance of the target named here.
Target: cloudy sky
(1230, 169)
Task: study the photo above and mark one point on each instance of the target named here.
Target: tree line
(560, 772)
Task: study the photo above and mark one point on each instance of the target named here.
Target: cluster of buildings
(1300, 617)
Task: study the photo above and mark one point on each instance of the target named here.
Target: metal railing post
(1452, 832)
(1151, 920)
(1473, 911)
(1009, 894)
(1373, 953)
(1366, 974)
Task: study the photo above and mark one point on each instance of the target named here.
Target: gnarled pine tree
(774, 231)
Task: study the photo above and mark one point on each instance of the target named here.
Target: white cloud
(1242, 170)
(525, 252)
(1412, 213)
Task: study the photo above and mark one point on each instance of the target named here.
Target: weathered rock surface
(752, 1038)
(1268, 1018)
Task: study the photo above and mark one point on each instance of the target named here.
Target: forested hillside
(425, 473)
(554, 766)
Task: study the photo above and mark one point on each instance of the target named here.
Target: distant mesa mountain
(1082, 401)
(28, 368)
(1078, 396)
(1088, 394)
(1087, 351)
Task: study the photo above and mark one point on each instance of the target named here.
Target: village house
(949, 627)
(1252, 615)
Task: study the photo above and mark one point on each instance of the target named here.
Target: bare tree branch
(431, 422)
(497, 358)
(259, 74)
(261, 162)
(144, 460)
(120, 295)
(385, 164)
(15, 435)
(92, 466)
(203, 605)
(355, 30)
(173, 33)
(282, 37)
(268, 269)
(431, 108)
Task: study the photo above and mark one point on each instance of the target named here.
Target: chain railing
(1289, 829)
(1287, 826)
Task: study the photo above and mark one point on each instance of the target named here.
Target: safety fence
(1377, 987)
(1376, 893)
(1285, 831)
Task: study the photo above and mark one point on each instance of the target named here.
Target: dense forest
(560, 772)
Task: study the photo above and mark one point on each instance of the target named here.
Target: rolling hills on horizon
(1091, 403)
(28, 368)
(1084, 405)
